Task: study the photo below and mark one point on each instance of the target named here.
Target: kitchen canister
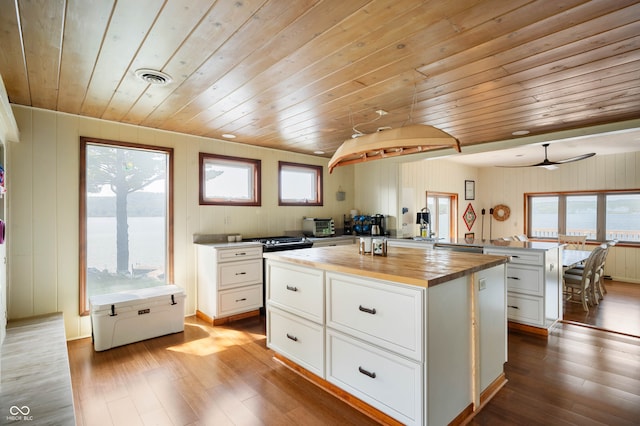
(379, 247)
(365, 245)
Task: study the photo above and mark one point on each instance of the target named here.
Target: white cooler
(131, 316)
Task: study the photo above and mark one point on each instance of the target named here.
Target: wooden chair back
(573, 242)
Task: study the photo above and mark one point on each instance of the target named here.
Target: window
(126, 222)
(229, 181)
(443, 208)
(299, 184)
(543, 217)
(622, 217)
(600, 215)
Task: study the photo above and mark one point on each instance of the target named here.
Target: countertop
(531, 245)
(414, 266)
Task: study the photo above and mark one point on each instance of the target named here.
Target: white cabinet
(229, 280)
(391, 383)
(534, 280)
(295, 314)
(375, 343)
(383, 313)
(420, 355)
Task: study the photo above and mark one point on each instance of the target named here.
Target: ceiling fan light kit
(392, 143)
(552, 165)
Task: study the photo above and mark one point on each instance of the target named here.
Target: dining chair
(598, 289)
(573, 242)
(579, 284)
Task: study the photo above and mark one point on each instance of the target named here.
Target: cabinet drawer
(234, 274)
(525, 309)
(297, 289)
(520, 256)
(300, 340)
(384, 380)
(239, 253)
(241, 299)
(525, 279)
(382, 313)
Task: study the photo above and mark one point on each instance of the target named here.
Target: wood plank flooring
(225, 375)
(619, 311)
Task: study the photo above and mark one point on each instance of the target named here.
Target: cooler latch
(113, 311)
(173, 301)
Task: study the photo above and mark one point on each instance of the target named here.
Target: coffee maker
(377, 225)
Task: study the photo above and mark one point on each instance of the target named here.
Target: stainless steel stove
(281, 243)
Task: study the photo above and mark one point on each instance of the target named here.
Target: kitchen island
(416, 337)
(534, 277)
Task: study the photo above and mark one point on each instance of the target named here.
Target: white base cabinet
(534, 285)
(420, 355)
(229, 279)
(385, 380)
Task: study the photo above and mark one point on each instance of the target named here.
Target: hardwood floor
(619, 311)
(225, 375)
(221, 375)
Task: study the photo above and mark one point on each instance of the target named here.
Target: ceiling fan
(552, 165)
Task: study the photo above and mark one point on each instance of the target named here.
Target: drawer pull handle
(241, 254)
(290, 337)
(514, 278)
(371, 311)
(514, 307)
(516, 256)
(367, 373)
(292, 288)
(241, 273)
(241, 300)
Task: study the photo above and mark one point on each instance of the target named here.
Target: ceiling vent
(153, 77)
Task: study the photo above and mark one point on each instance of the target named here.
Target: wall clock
(469, 216)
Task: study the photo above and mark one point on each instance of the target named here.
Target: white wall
(43, 256)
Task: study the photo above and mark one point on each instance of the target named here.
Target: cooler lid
(133, 297)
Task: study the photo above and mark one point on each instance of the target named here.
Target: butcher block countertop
(420, 267)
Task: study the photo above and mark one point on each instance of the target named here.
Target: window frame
(601, 195)
(318, 171)
(82, 234)
(254, 164)
(453, 213)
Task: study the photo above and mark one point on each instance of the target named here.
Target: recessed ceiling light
(228, 136)
(520, 132)
(153, 77)
(318, 152)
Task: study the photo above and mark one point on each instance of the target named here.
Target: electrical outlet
(482, 283)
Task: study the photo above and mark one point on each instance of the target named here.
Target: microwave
(312, 227)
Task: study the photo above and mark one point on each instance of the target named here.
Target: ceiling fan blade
(552, 165)
(578, 158)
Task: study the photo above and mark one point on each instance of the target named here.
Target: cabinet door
(389, 382)
(300, 340)
(519, 256)
(234, 274)
(525, 309)
(241, 299)
(386, 314)
(525, 279)
(297, 289)
(239, 253)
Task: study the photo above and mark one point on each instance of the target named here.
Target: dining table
(571, 258)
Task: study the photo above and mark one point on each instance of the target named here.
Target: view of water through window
(126, 219)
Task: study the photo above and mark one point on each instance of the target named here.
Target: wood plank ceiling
(299, 75)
